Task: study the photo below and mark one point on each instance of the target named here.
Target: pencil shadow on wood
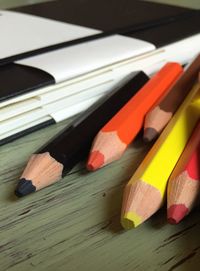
(115, 198)
(112, 211)
(138, 141)
(11, 197)
(159, 219)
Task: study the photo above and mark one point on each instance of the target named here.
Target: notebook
(61, 23)
(49, 87)
(44, 106)
(145, 26)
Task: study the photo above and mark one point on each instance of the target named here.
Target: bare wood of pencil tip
(145, 192)
(160, 115)
(113, 139)
(42, 170)
(72, 145)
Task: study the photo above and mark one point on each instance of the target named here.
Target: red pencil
(184, 183)
(113, 139)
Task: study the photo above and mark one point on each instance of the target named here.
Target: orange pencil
(113, 139)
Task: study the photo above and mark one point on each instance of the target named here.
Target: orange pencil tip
(95, 161)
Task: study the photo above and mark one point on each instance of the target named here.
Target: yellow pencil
(145, 192)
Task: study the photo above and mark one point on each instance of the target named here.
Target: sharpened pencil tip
(130, 220)
(24, 187)
(176, 213)
(95, 161)
(150, 134)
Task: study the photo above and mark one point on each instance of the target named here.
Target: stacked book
(58, 58)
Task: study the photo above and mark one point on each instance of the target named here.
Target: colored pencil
(145, 192)
(184, 184)
(72, 145)
(113, 139)
(157, 118)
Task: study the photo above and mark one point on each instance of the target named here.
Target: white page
(22, 32)
(167, 53)
(74, 85)
(59, 116)
(180, 51)
(20, 120)
(16, 109)
(148, 63)
(66, 63)
(75, 109)
(72, 93)
(23, 127)
(183, 50)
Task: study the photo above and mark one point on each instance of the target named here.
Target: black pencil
(72, 145)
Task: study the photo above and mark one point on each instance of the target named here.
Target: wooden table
(74, 225)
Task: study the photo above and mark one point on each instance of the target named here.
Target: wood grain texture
(75, 224)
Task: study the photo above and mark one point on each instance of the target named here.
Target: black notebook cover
(156, 23)
(105, 15)
(130, 17)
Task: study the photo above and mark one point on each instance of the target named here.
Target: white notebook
(75, 95)
(73, 61)
(21, 33)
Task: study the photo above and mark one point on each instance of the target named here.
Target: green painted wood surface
(74, 224)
